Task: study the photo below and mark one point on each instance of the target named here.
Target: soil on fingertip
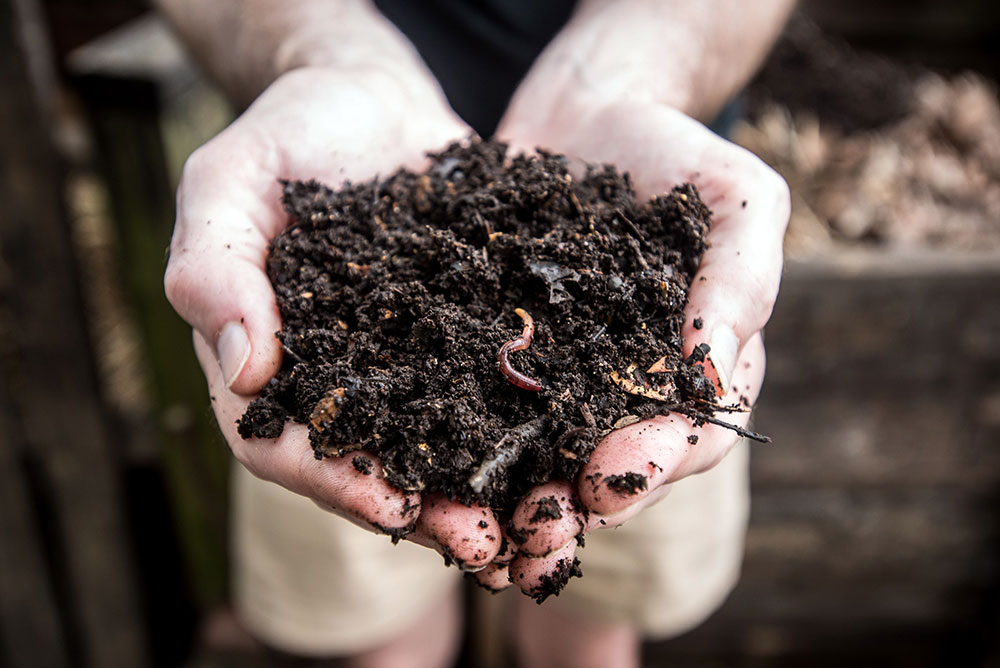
(396, 296)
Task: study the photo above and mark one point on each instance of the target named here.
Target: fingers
(733, 294)
(540, 577)
(597, 521)
(335, 484)
(630, 463)
(494, 577)
(467, 535)
(548, 518)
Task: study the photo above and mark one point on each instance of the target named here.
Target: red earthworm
(520, 343)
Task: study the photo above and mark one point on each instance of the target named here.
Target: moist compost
(403, 299)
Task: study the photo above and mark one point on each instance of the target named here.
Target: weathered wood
(875, 522)
(53, 394)
(31, 631)
(130, 80)
(884, 370)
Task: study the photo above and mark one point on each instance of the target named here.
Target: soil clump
(402, 299)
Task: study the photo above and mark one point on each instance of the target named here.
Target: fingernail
(233, 350)
(725, 347)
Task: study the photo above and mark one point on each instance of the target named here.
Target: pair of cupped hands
(331, 126)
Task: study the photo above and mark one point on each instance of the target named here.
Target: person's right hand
(310, 123)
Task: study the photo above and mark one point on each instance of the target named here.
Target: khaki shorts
(310, 583)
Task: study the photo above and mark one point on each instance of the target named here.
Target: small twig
(725, 409)
(569, 435)
(633, 230)
(485, 223)
(291, 353)
(637, 249)
(505, 453)
(739, 430)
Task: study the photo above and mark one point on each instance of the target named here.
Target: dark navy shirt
(479, 50)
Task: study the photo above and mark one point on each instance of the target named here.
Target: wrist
(550, 106)
(409, 113)
(566, 122)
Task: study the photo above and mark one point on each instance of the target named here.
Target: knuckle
(196, 163)
(773, 182)
(761, 290)
(180, 283)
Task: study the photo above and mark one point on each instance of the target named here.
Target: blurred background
(875, 529)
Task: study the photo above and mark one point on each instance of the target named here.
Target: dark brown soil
(627, 483)
(551, 585)
(397, 295)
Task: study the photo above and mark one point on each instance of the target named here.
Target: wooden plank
(884, 372)
(875, 525)
(31, 631)
(55, 394)
(128, 81)
(855, 545)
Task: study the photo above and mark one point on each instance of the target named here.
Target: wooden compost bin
(875, 522)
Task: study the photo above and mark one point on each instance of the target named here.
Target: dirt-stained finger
(508, 550)
(494, 577)
(541, 577)
(632, 462)
(352, 486)
(547, 518)
(467, 535)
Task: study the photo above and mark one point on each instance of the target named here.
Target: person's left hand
(733, 293)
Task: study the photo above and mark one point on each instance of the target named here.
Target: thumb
(735, 288)
(215, 278)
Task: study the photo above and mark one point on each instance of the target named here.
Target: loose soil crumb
(396, 296)
(628, 483)
(548, 509)
(551, 585)
(362, 464)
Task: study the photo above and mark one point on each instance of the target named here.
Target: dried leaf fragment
(326, 409)
(635, 388)
(660, 366)
(362, 269)
(625, 421)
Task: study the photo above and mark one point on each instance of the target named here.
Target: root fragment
(506, 452)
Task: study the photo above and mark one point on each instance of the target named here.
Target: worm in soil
(520, 343)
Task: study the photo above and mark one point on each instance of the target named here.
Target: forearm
(692, 56)
(246, 44)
